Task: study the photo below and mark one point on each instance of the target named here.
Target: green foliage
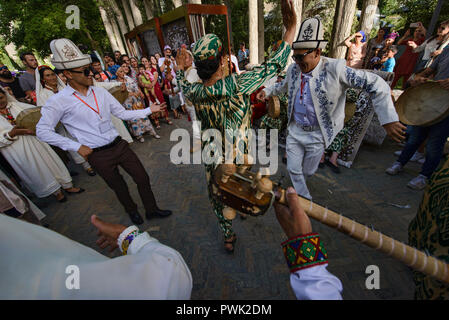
(32, 24)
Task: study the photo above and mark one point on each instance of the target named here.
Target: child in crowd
(388, 60)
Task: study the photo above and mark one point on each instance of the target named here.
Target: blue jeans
(437, 135)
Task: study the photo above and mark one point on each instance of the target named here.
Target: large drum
(423, 105)
(28, 118)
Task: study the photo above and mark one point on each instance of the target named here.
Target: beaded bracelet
(126, 237)
(304, 252)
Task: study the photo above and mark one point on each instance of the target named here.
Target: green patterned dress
(429, 230)
(226, 106)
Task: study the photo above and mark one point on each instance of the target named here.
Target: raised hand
(261, 96)
(290, 19)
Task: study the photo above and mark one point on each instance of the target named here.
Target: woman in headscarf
(222, 101)
(37, 165)
(48, 84)
(373, 44)
(134, 102)
(357, 50)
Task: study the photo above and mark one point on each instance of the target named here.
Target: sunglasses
(300, 57)
(86, 71)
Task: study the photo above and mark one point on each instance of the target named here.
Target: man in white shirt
(85, 111)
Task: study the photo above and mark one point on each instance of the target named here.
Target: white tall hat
(311, 35)
(66, 55)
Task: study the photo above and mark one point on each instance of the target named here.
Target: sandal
(169, 122)
(63, 199)
(230, 241)
(81, 190)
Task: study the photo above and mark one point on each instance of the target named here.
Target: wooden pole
(253, 29)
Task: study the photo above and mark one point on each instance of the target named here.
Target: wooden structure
(183, 25)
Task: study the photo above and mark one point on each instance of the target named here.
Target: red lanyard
(303, 84)
(98, 109)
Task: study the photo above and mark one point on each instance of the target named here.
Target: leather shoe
(135, 217)
(158, 212)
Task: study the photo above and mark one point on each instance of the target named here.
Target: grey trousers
(304, 151)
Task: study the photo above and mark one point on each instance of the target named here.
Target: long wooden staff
(412, 257)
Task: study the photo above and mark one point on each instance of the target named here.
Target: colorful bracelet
(304, 252)
(126, 237)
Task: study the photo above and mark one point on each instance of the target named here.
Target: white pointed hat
(66, 55)
(311, 35)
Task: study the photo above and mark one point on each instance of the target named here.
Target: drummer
(436, 133)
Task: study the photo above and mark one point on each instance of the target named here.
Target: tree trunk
(196, 1)
(261, 29)
(433, 22)
(93, 43)
(253, 29)
(118, 36)
(11, 53)
(129, 17)
(109, 30)
(118, 14)
(135, 12)
(344, 16)
(148, 9)
(368, 14)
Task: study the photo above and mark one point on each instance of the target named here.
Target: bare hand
(436, 53)
(20, 132)
(412, 44)
(288, 14)
(444, 83)
(293, 219)
(395, 130)
(85, 151)
(261, 96)
(108, 232)
(157, 107)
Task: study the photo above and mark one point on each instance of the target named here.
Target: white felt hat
(310, 35)
(66, 55)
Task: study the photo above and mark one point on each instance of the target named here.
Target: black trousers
(106, 162)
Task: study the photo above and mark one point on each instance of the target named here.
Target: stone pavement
(257, 269)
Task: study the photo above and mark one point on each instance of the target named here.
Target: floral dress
(226, 106)
(140, 126)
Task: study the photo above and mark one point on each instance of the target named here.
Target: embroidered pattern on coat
(324, 103)
(357, 81)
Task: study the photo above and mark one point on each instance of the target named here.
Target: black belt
(110, 145)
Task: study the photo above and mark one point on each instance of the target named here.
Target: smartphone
(414, 25)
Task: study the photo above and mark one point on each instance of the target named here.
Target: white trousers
(304, 151)
(195, 127)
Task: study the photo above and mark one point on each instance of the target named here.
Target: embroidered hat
(311, 35)
(207, 48)
(392, 35)
(66, 55)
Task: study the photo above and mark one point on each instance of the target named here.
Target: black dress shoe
(321, 165)
(73, 173)
(333, 167)
(135, 217)
(158, 212)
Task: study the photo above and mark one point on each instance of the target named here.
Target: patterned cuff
(304, 252)
(126, 237)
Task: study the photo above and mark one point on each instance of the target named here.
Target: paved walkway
(257, 269)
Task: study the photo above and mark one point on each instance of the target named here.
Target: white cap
(311, 35)
(66, 55)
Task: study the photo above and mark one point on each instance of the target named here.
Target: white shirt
(161, 62)
(236, 63)
(316, 283)
(84, 124)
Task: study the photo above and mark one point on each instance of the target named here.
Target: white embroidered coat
(330, 79)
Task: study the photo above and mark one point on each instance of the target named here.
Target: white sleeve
(120, 112)
(316, 283)
(279, 87)
(379, 90)
(45, 129)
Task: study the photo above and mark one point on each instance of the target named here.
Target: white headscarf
(42, 93)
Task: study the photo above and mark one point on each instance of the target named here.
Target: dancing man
(85, 111)
(316, 88)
